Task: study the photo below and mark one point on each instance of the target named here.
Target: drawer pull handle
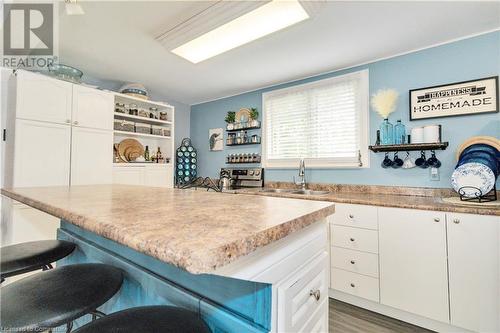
(351, 216)
(316, 294)
(353, 285)
(456, 221)
(352, 239)
(75, 122)
(353, 262)
(436, 219)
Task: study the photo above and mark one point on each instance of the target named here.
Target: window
(325, 122)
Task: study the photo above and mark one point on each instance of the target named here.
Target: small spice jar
(132, 110)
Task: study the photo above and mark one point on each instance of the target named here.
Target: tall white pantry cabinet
(57, 133)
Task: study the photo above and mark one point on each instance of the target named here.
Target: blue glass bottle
(399, 133)
(386, 133)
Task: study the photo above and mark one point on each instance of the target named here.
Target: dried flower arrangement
(384, 102)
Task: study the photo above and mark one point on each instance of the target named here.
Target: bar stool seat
(148, 319)
(57, 297)
(31, 256)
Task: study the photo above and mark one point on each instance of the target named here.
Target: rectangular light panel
(269, 18)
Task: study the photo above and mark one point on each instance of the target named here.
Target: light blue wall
(458, 61)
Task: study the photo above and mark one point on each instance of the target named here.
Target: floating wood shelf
(243, 129)
(409, 147)
(243, 144)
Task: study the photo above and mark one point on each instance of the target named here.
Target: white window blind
(324, 122)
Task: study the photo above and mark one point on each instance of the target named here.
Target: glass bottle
(386, 133)
(146, 153)
(399, 133)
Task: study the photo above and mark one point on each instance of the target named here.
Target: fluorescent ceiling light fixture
(269, 18)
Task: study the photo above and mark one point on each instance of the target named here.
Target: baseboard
(395, 313)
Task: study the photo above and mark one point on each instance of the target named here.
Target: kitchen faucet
(302, 175)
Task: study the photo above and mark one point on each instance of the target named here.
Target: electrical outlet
(434, 174)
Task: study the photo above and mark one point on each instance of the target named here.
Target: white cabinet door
(413, 263)
(303, 295)
(474, 264)
(158, 176)
(92, 108)
(42, 154)
(128, 175)
(91, 156)
(43, 98)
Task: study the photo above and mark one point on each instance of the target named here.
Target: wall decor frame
(216, 139)
(455, 99)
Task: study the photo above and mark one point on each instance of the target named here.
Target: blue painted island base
(226, 304)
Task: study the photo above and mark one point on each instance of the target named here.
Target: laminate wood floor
(346, 318)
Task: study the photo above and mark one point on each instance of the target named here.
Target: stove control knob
(257, 172)
(250, 172)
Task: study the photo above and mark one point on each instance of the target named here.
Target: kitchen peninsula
(245, 263)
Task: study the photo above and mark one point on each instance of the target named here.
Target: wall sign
(456, 99)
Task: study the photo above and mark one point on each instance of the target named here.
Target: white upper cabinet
(413, 263)
(42, 154)
(91, 156)
(43, 98)
(92, 108)
(474, 264)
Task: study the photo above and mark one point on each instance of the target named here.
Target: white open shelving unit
(165, 143)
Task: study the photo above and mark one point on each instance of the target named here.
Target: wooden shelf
(242, 129)
(125, 133)
(142, 119)
(243, 144)
(409, 147)
(242, 162)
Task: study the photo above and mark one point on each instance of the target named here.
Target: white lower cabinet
(413, 265)
(442, 267)
(145, 175)
(91, 156)
(474, 264)
(303, 296)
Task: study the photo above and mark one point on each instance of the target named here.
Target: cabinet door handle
(68, 121)
(436, 219)
(75, 122)
(352, 262)
(456, 221)
(352, 239)
(316, 294)
(351, 216)
(353, 285)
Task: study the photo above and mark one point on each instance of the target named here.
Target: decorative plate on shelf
(130, 149)
(243, 115)
(468, 178)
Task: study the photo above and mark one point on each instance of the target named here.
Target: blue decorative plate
(472, 176)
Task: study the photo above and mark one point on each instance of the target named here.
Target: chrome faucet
(302, 175)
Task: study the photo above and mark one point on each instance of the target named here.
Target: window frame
(324, 163)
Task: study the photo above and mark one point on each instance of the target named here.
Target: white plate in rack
(473, 175)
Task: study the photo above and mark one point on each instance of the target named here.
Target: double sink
(292, 191)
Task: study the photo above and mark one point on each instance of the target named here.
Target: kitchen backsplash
(434, 66)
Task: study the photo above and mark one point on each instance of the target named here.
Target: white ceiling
(115, 41)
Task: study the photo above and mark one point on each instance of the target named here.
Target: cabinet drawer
(356, 216)
(354, 238)
(355, 261)
(355, 284)
(302, 295)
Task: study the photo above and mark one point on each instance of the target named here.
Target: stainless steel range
(235, 178)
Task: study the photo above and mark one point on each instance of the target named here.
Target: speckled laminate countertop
(197, 231)
(388, 200)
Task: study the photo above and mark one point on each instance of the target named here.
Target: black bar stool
(31, 256)
(57, 297)
(148, 319)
